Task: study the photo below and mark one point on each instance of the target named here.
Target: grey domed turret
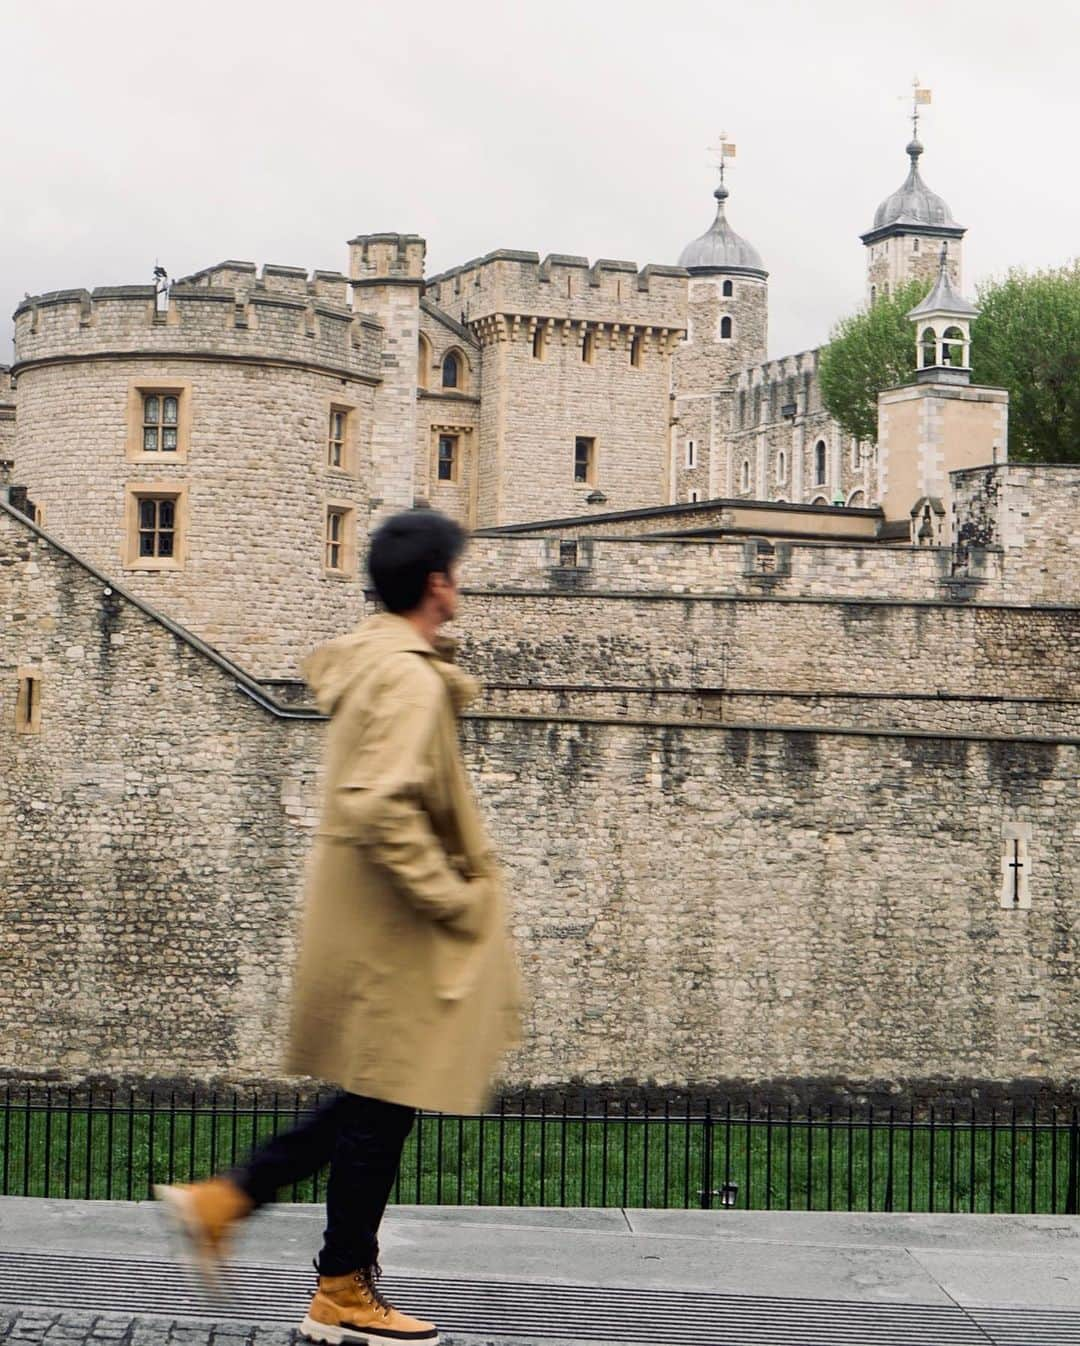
(909, 229)
(913, 208)
(914, 203)
(720, 250)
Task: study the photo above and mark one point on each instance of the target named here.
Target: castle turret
(728, 315)
(387, 274)
(940, 423)
(909, 227)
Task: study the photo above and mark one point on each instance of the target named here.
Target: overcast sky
(190, 132)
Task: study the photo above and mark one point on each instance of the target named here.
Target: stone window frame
(39, 515)
(588, 346)
(637, 345)
(727, 289)
(453, 459)
(166, 488)
(348, 466)
(744, 475)
(691, 454)
(424, 364)
(346, 511)
(821, 476)
(461, 385)
(540, 341)
(693, 497)
(591, 469)
(725, 328)
(781, 465)
(138, 390)
(28, 700)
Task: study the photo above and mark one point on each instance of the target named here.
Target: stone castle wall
(817, 570)
(1030, 510)
(149, 866)
(779, 450)
(834, 912)
(540, 640)
(932, 712)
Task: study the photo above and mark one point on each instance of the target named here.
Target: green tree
(868, 351)
(1027, 339)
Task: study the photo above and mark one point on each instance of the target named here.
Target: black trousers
(361, 1139)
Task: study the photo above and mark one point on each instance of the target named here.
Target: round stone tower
(210, 447)
(728, 310)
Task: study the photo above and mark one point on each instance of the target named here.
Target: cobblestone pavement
(42, 1327)
(39, 1327)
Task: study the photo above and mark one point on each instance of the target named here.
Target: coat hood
(332, 669)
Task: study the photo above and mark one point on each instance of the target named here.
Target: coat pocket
(457, 960)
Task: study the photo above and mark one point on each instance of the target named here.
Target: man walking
(406, 990)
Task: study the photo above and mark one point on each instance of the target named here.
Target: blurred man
(406, 991)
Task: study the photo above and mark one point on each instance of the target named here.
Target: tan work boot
(205, 1213)
(350, 1309)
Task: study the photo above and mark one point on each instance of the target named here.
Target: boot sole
(351, 1336)
(178, 1209)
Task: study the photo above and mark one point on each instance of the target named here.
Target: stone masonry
(835, 910)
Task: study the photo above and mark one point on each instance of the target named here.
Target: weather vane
(919, 98)
(726, 151)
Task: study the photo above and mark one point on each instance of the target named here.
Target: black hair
(406, 549)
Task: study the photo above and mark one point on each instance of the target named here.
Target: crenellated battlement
(563, 288)
(228, 310)
(797, 367)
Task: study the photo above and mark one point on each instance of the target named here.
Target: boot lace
(368, 1277)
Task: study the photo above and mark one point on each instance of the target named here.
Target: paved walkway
(64, 1255)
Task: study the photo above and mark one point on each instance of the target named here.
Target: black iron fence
(703, 1154)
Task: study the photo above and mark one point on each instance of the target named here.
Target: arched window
(423, 361)
(914, 245)
(819, 500)
(953, 348)
(451, 370)
(728, 289)
(856, 500)
(781, 466)
(873, 294)
(691, 453)
(725, 329)
(746, 474)
(928, 343)
(819, 463)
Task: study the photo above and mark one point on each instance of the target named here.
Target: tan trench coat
(406, 987)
